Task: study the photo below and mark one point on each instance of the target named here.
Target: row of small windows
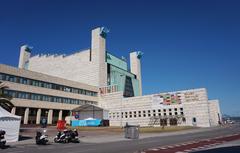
(26, 81)
(40, 97)
(147, 113)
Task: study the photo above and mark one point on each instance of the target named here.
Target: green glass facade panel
(118, 77)
(135, 83)
(116, 62)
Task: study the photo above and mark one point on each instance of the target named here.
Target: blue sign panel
(95, 122)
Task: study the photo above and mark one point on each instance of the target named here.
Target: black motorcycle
(41, 138)
(67, 136)
(2, 139)
(73, 136)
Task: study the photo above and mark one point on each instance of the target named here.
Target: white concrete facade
(88, 71)
(87, 66)
(139, 110)
(215, 113)
(135, 64)
(30, 99)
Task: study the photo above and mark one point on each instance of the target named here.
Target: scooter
(41, 138)
(2, 139)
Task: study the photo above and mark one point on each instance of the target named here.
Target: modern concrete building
(37, 95)
(54, 85)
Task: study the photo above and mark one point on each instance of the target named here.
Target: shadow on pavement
(233, 149)
(22, 138)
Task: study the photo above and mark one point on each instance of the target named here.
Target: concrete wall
(45, 91)
(24, 56)
(194, 104)
(135, 64)
(215, 113)
(198, 108)
(88, 66)
(75, 67)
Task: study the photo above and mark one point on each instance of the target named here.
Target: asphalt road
(130, 146)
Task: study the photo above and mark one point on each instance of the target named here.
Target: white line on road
(17, 151)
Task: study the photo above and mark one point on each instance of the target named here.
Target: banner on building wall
(173, 98)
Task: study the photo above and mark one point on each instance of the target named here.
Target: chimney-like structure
(25, 53)
(135, 63)
(98, 54)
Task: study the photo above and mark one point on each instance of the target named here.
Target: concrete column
(135, 64)
(26, 113)
(13, 111)
(60, 115)
(38, 116)
(98, 55)
(25, 53)
(50, 116)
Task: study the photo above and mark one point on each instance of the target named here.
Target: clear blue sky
(186, 44)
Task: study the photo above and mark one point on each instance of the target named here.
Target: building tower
(25, 53)
(98, 54)
(135, 63)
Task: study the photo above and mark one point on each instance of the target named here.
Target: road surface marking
(187, 150)
(154, 149)
(18, 151)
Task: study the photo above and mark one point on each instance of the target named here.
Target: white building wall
(215, 113)
(76, 67)
(135, 64)
(24, 56)
(197, 107)
(88, 66)
(194, 104)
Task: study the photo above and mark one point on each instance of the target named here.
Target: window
(175, 109)
(194, 120)
(128, 89)
(33, 96)
(1, 76)
(159, 110)
(37, 83)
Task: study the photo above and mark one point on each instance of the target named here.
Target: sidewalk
(100, 137)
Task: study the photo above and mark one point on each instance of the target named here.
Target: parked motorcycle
(61, 137)
(2, 139)
(74, 136)
(67, 136)
(41, 137)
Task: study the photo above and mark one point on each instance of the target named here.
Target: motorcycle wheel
(55, 140)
